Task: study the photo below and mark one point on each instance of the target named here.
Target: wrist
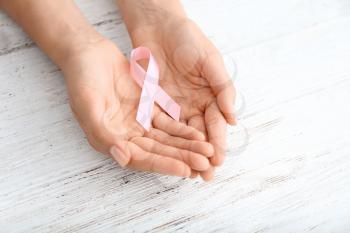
(150, 14)
(72, 44)
(58, 27)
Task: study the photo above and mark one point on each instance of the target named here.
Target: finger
(141, 160)
(199, 123)
(215, 72)
(194, 174)
(194, 160)
(216, 127)
(226, 104)
(165, 123)
(200, 147)
(208, 174)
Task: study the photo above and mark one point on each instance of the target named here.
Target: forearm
(149, 13)
(58, 27)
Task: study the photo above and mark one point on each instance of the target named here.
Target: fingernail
(119, 156)
(231, 119)
(234, 120)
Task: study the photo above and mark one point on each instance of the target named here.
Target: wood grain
(293, 68)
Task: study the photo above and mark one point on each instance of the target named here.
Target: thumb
(219, 80)
(121, 155)
(225, 100)
(90, 110)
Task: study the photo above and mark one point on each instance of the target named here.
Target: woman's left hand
(192, 71)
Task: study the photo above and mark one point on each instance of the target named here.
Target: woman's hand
(192, 70)
(104, 98)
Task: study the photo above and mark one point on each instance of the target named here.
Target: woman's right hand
(104, 98)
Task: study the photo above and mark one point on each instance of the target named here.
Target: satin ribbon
(151, 92)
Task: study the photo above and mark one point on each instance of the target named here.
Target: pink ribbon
(151, 91)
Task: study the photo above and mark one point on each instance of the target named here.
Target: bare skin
(192, 69)
(104, 97)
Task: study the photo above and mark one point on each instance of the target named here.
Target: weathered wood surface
(293, 60)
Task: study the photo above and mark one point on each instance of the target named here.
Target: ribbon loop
(151, 91)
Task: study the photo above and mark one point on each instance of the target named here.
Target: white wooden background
(293, 59)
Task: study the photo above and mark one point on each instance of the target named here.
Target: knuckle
(154, 158)
(213, 120)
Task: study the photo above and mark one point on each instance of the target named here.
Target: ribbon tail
(167, 104)
(146, 104)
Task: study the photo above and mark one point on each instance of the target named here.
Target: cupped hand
(192, 71)
(104, 99)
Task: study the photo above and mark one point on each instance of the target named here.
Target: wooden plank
(292, 58)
